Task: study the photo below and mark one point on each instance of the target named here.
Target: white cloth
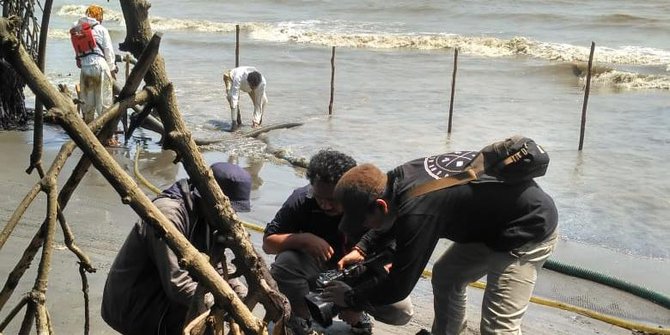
(236, 81)
(95, 79)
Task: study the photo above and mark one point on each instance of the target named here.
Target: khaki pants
(296, 271)
(510, 278)
(96, 89)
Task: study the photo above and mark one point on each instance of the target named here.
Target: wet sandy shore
(100, 223)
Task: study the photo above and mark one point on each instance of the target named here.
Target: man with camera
(502, 229)
(305, 237)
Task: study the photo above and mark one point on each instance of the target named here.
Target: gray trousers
(510, 279)
(295, 271)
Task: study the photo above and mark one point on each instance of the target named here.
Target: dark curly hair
(254, 79)
(328, 166)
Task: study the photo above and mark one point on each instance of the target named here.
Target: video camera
(363, 274)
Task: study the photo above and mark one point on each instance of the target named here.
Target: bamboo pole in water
(586, 96)
(332, 82)
(453, 89)
(237, 63)
(237, 45)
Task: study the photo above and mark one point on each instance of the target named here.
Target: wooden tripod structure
(159, 92)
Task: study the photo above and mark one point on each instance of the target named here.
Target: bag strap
(475, 169)
(460, 178)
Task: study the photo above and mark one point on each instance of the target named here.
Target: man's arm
(416, 237)
(176, 282)
(279, 232)
(108, 49)
(284, 233)
(375, 240)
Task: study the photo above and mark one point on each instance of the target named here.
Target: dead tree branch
(64, 112)
(178, 138)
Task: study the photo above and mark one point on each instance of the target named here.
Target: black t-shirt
(301, 214)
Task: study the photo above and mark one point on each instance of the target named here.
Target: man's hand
(351, 258)
(336, 292)
(316, 246)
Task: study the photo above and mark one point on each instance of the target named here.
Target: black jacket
(145, 285)
(502, 216)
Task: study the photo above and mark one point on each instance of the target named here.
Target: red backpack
(83, 40)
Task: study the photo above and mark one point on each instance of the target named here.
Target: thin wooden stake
(586, 96)
(127, 61)
(237, 63)
(453, 89)
(332, 82)
(237, 45)
(84, 289)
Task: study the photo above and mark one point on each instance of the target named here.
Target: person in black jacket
(147, 291)
(305, 237)
(504, 231)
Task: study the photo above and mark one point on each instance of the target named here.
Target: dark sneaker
(300, 326)
(363, 327)
(423, 332)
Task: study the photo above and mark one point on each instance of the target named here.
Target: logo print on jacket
(444, 165)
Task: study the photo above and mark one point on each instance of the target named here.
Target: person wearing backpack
(95, 57)
(504, 229)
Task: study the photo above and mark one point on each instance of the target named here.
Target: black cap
(235, 183)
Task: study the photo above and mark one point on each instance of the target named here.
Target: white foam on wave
(477, 45)
(167, 24)
(377, 36)
(77, 11)
(162, 23)
(630, 80)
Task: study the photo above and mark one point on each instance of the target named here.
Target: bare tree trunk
(13, 112)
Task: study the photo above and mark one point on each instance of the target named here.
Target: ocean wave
(476, 45)
(362, 35)
(77, 11)
(607, 76)
(630, 80)
(164, 24)
(626, 19)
